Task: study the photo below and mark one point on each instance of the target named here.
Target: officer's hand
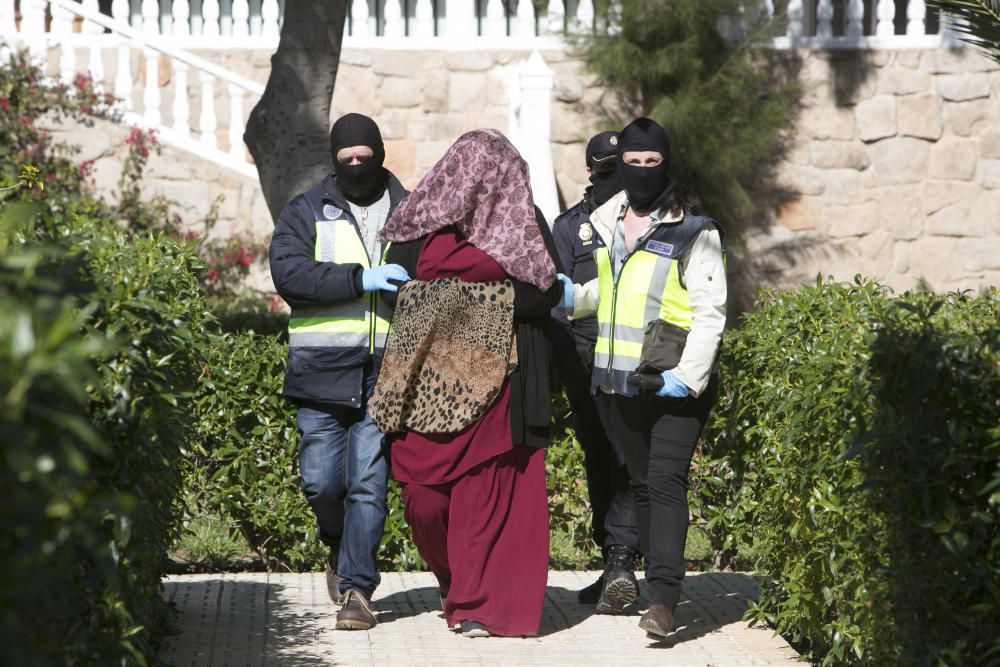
(378, 278)
(672, 387)
(568, 297)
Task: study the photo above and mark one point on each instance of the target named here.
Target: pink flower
(4, 104)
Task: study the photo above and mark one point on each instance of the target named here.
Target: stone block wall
(893, 169)
(896, 166)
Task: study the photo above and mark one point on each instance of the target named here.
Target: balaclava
(362, 183)
(644, 185)
(602, 153)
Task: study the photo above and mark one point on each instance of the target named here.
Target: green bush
(854, 459)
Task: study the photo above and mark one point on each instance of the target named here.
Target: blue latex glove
(672, 387)
(378, 278)
(568, 297)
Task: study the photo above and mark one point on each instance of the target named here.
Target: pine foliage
(977, 20)
(723, 102)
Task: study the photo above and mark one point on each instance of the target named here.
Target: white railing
(76, 27)
(515, 24)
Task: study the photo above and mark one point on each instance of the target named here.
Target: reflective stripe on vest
(344, 325)
(648, 287)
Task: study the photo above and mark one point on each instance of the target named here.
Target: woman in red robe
(476, 500)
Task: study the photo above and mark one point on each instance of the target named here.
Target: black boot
(620, 587)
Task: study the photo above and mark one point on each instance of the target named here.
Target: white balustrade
(241, 18)
(151, 86)
(424, 16)
(916, 15)
(395, 25)
(824, 19)
(33, 26)
(496, 19)
(886, 15)
(855, 19)
(8, 25)
(207, 122)
(583, 22)
(181, 15)
(796, 23)
(123, 68)
(525, 19)
(95, 64)
(181, 108)
(236, 150)
(359, 18)
(210, 18)
(269, 13)
(62, 28)
(555, 15)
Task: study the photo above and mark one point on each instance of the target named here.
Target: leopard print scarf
(449, 351)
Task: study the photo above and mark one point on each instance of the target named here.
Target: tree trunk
(288, 130)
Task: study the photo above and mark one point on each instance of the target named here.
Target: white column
(766, 10)
(269, 16)
(614, 17)
(525, 19)
(181, 17)
(8, 25)
(554, 15)
(855, 19)
(534, 117)
(359, 18)
(796, 14)
(916, 12)
(123, 66)
(241, 18)
(62, 30)
(210, 16)
(151, 88)
(824, 16)
(460, 16)
(496, 19)
(236, 149)
(181, 109)
(425, 19)
(395, 26)
(207, 122)
(584, 20)
(886, 14)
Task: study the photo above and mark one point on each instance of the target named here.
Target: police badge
(586, 233)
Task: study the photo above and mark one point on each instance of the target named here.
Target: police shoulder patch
(331, 212)
(660, 248)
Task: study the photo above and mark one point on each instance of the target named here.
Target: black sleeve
(529, 301)
(297, 276)
(562, 233)
(406, 255)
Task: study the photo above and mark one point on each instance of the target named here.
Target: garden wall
(893, 167)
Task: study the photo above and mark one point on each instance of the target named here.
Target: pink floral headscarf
(481, 187)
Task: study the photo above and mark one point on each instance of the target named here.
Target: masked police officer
(613, 519)
(326, 264)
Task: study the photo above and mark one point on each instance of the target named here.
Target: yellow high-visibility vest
(363, 323)
(648, 287)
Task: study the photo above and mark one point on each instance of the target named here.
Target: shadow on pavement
(710, 601)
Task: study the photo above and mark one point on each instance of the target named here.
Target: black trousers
(614, 517)
(658, 437)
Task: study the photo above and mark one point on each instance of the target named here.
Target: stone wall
(893, 169)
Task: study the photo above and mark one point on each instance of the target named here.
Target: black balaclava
(644, 185)
(602, 159)
(362, 183)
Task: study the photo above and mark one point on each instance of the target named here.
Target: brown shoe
(356, 614)
(333, 583)
(658, 622)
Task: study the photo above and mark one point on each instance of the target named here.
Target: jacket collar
(605, 218)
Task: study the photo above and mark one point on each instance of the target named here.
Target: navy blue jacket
(573, 341)
(315, 375)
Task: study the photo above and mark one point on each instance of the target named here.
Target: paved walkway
(287, 619)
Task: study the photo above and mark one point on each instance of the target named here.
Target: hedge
(853, 459)
(99, 350)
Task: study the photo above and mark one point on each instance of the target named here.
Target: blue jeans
(345, 476)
